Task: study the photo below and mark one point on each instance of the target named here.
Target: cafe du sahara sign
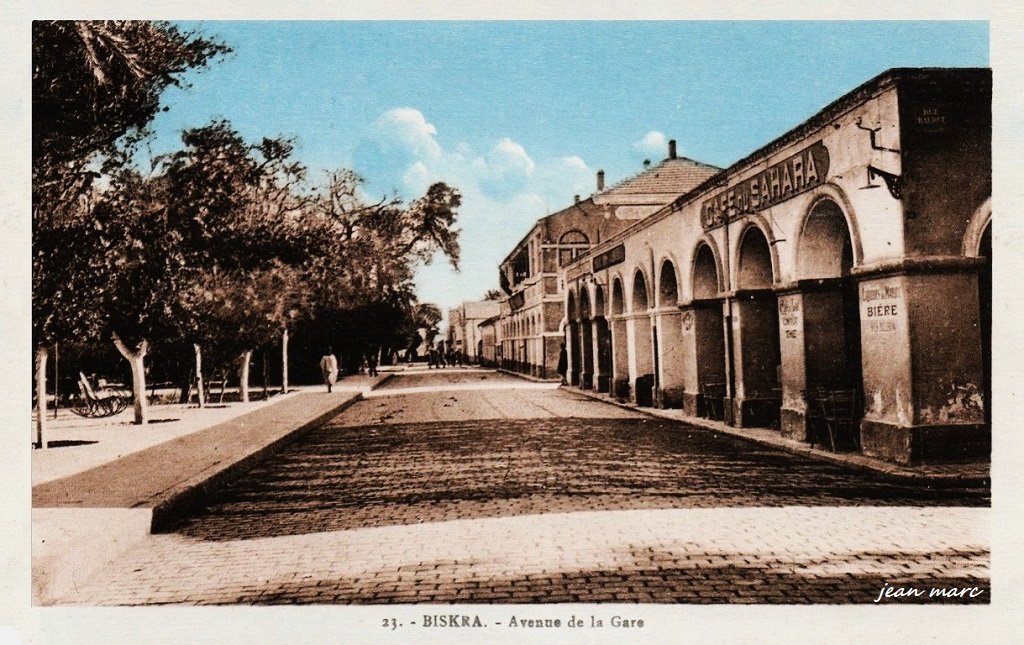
(777, 183)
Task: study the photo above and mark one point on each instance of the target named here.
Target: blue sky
(520, 115)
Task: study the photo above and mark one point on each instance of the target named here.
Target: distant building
(530, 327)
(463, 326)
(490, 343)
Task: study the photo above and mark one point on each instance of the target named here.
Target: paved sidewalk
(84, 520)
(786, 555)
(938, 474)
(159, 475)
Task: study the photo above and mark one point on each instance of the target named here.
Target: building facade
(490, 344)
(530, 323)
(463, 327)
(842, 272)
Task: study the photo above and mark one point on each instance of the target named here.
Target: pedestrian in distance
(563, 363)
(329, 368)
(371, 363)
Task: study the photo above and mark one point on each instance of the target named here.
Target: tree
(93, 83)
(364, 286)
(95, 87)
(494, 294)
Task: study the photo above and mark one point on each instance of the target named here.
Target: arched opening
(668, 342)
(757, 355)
(603, 336)
(820, 327)
(642, 372)
(620, 343)
(826, 248)
(571, 245)
(668, 290)
(985, 318)
(586, 341)
(573, 331)
(639, 292)
(617, 298)
(704, 331)
(705, 274)
(755, 266)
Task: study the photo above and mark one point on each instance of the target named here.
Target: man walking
(329, 368)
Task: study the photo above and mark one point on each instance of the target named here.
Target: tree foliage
(93, 82)
(222, 243)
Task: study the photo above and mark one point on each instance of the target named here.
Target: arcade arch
(620, 342)
(755, 329)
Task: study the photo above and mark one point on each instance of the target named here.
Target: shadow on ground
(338, 478)
(727, 584)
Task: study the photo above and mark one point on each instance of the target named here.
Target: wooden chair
(840, 411)
(817, 431)
(713, 395)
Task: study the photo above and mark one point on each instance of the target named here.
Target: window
(571, 245)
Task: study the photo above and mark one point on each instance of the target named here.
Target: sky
(519, 116)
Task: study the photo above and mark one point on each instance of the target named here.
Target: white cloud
(393, 145)
(409, 128)
(507, 170)
(653, 143)
(504, 190)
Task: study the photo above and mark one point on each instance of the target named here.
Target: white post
(199, 375)
(243, 376)
(284, 361)
(41, 355)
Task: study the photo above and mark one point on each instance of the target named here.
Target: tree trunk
(243, 376)
(41, 355)
(199, 375)
(136, 358)
(284, 361)
(266, 376)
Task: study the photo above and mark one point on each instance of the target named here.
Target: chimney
(576, 199)
(671, 148)
(647, 164)
(600, 180)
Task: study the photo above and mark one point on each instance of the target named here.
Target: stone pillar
(587, 351)
(671, 384)
(642, 377)
(575, 359)
(603, 352)
(620, 358)
(921, 357)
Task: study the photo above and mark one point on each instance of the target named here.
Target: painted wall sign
(881, 307)
(932, 117)
(611, 257)
(789, 316)
(777, 183)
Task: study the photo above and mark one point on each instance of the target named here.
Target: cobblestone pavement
(525, 493)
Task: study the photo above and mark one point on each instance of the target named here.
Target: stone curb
(191, 493)
(528, 377)
(886, 470)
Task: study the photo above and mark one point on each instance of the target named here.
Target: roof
(585, 205)
(862, 93)
(672, 176)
